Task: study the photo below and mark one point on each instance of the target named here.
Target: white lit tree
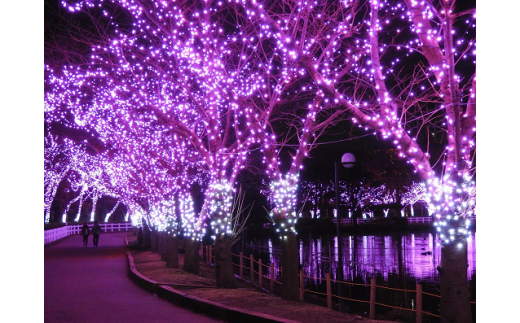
(58, 160)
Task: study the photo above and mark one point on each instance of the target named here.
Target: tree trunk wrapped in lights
(193, 230)
(283, 212)
(166, 224)
(228, 217)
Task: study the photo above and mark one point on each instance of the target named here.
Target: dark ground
(246, 296)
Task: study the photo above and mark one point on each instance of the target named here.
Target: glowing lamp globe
(348, 160)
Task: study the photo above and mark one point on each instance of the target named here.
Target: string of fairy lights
(179, 89)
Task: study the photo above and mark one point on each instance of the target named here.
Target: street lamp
(347, 160)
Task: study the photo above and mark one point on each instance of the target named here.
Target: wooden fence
(246, 270)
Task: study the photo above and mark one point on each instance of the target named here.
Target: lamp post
(347, 160)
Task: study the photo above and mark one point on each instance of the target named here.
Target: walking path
(91, 284)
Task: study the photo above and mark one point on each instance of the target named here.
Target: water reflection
(415, 256)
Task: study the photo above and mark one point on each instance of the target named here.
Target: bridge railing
(60, 233)
(410, 220)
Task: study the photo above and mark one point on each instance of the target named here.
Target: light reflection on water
(414, 255)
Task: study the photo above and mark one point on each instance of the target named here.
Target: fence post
(301, 285)
(418, 301)
(201, 251)
(210, 254)
(241, 263)
(271, 283)
(260, 272)
(251, 265)
(372, 298)
(329, 290)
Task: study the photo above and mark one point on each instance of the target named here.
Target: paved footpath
(91, 284)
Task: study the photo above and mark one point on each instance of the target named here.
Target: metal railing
(60, 233)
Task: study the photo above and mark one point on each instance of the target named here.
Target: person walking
(96, 230)
(85, 232)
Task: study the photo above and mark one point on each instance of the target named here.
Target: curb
(199, 305)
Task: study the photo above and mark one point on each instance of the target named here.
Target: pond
(414, 255)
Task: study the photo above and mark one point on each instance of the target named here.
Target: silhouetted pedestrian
(96, 230)
(85, 232)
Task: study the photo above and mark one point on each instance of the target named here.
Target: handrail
(434, 295)
(410, 220)
(348, 283)
(396, 307)
(397, 289)
(60, 233)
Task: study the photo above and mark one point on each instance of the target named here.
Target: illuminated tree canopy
(183, 91)
(228, 76)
